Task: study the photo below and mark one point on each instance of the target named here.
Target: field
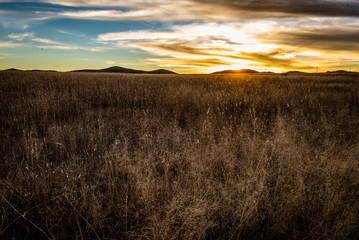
(121, 156)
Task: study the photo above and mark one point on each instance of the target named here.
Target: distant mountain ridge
(34, 70)
(236, 71)
(340, 72)
(117, 69)
(295, 72)
(290, 72)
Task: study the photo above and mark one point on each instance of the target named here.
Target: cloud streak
(331, 40)
(285, 8)
(29, 38)
(21, 36)
(206, 46)
(258, 44)
(71, 47)
(44, 40)
(339, 37)
(203, 10)
(199, 10)
(9, 44)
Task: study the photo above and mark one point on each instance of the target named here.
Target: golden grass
(112, 156)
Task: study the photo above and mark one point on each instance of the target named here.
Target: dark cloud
(284, 8)
(179, 47)
(273, 59)
(209, 62)
(327, 39)
(203, 62)
(270, 59)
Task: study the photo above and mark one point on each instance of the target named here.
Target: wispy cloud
(71, 33)
(31, 35)
(21, 36)
(28, 37)
(9, 44)
(22, 19)
(72, 47)
(59, 47)
(44, 40)
(188, 62)
(209, 34)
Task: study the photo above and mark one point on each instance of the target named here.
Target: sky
(189, 36)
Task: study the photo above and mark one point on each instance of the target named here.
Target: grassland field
(127, 156)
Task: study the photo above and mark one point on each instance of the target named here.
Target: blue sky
(189, 36)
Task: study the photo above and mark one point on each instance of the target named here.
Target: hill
(295, 72)
(117, 69)
(161, 71)
(38, 70)
(340, 72)
(12, 69)
(236, 71)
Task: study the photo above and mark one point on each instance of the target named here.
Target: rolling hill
(117, 69)
(236, 71)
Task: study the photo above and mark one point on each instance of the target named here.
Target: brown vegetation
(106, 156)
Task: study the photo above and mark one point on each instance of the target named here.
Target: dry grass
(106, 156)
